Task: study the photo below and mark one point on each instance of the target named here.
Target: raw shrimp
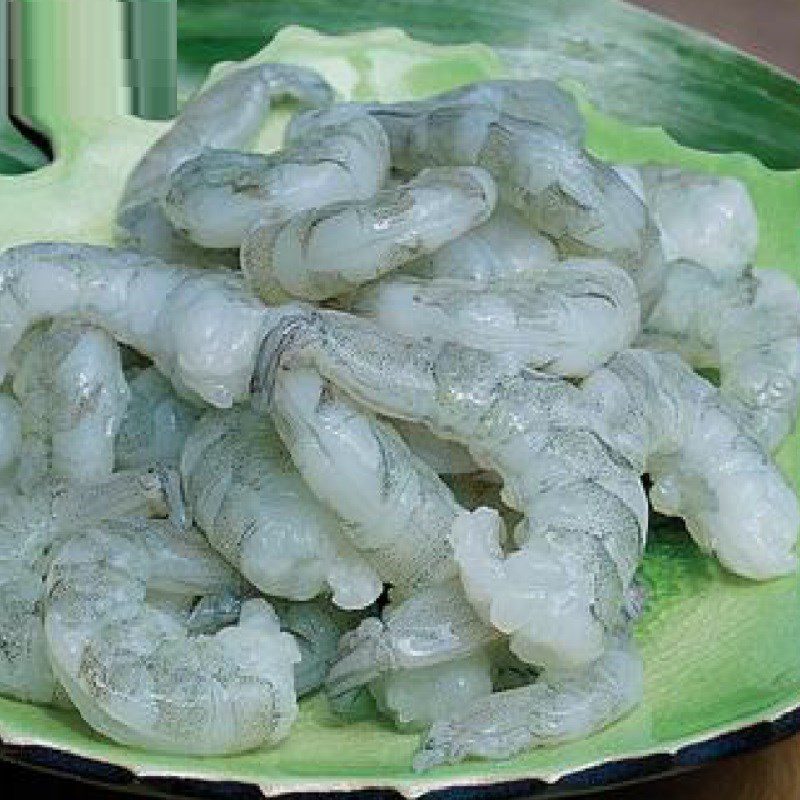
(748, 327)
(203, 329)
(505, 247)
(31, 526)
(132, 669)
(557, 707)
(10, 436)
(560, 189)
(156, 422)
(215, 198)
(562, 591)
(708, 219)
(433, 632)
(248, 498)
(416, 698)
(326, 251)
(566, 320)
(315, 625)
(536, 101)
(73, 392)
(703, 462)
(227, 113)
(398, 512)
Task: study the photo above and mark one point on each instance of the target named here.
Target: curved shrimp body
(434, 632)
(536, 101)
(156, 422)
(704, 464)
(133, 671)
(10, 436)
(566, 320)
(227, 113)
(255, 509)
(747, 327)
(201, 328)
(504, 248)
(73, 392)
(557, 707)
(31, 526)
(563, 589)
(216, 197)
(329, 250)
(398, 512)
(315, 625)
(708, 219)
(560, 189)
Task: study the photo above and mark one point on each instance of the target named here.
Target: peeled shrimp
(73, 392)
(216, 197)
(443, 456)
(704, 463)
(201, 328)
(560, 189)
(329, 250)
(397, 510)
(315, 625)
(747, 327)
(504, 248)
(562, 591)
(566, 320)
(433, 632)
(253, 506)
(131, 668)
(703, 218)
(31, 527)
(156, 422)
(557, 707)
(226, 113)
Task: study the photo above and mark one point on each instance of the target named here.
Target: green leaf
(720, 653)
(634, 65)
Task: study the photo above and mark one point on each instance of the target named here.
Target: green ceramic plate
(722, 655)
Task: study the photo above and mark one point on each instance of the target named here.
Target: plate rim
(607, 774)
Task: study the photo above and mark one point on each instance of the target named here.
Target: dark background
(770, 29)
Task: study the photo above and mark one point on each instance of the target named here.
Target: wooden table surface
(771, 30)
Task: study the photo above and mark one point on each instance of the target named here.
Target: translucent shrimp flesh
(131, 668)
(562, 591)
(73, 392)
(560, 189)
(748, 327)
(216, 197)
(227, 113)
(567, 320)
(557, 707)
(31, 527)
(708, 219)
(703, 461)
(331, 249)
(203, 329)
(398, 512)
(504, 248)
(315, 625)
(433, 632)
(156, 422)
(536, 101)
(255, 509)
(443, 456)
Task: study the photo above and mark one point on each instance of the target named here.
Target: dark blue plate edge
(603, 776)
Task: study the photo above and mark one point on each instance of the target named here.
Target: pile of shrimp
(240, 452)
